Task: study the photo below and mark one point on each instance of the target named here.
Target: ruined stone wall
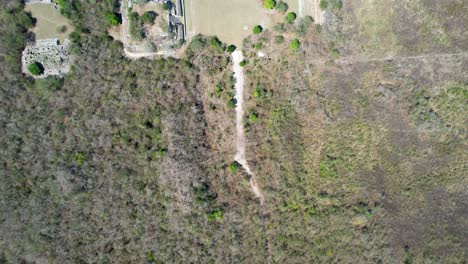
(52, 54)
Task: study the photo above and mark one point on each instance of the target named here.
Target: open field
(49, 22)
(232, 21)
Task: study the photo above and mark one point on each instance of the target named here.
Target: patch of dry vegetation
(129, 160)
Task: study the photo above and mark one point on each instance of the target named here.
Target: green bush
(231, 48)
(303, 25)
(279, 27)
(290, 17)
(216, 215)
(62, 29)
(80, 159)
(327, 168)
(257, 29)
(232, 103)
(243, 63)
(113, 19)
(136, 26)
(167, 5)
(257, 92)
(36, 68)
(216, 44)
(218, 89)
(279, 39)
(150, 257)
(336, 4)
(197, 44)
(323, 4)
(148, 17)
(269, 4)
(253, 117)
(233, 167)
(295, 44)
(282, 7)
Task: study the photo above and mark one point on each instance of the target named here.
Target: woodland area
(357, 137)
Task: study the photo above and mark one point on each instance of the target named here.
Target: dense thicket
(115, 163)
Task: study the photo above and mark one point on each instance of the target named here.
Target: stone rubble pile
(55, 57)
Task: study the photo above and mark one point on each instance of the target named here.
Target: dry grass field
(232, 21)
(50, 23)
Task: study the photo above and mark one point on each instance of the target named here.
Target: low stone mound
(54, 57)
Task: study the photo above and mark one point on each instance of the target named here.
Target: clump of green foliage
(323, 4)
(218, 89)
(216, 215)
(243, 63)
(282, 7)
(167, 5)
(327, 167)
(269, 4)
(216, 44)
(148, 17)
(279, 39)
(197, 44)
(290, 17)
(150, 257)
(231, 48)
(257, 29)
(253, 117)
(36, 68)
(232, 103)
(295, 45)
(234, 167)
(303, 25)
(80, 158)
(336, 4)
(113, 19)
(136, 26)
(62, 29)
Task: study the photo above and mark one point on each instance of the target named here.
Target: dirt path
(318, 13)
(240, 155)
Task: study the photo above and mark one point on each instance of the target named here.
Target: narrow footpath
(237, 57)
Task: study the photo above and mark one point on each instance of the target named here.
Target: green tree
(279, 39)
(113, 19)
(216, 44)
(167, 5)
(232, 103)
(257, 29)
(216, 215)
(218, 89)
(290, 17)
(231, 48)
(337, 4)
(295, 44)
(253, 117)
(148, 17)
(269, 4)
(233, 167)
(323, 4)
(36, 68)
(282, 7)
(197, 44)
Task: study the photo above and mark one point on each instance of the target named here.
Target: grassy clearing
(50, 23)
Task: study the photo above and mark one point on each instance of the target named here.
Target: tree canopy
(36, 68)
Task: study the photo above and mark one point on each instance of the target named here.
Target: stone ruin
(38, 1)
(54, 56)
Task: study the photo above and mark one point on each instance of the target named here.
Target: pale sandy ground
(240, 155)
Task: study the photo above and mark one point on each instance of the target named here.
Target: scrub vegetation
(359, 150)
